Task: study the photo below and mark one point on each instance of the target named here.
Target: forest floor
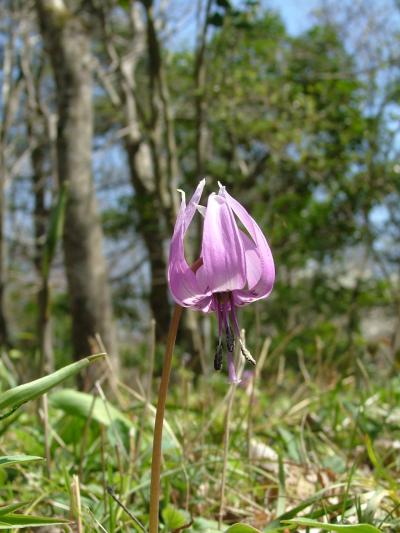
(306, 442)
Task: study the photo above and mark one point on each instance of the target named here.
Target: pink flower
(237, 266)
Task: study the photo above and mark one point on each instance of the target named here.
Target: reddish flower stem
(158, 426)
(155, 485)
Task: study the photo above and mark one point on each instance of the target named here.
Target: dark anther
(230, 339)
(218, 357)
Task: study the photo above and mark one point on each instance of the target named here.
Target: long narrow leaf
(241, 528)
(10, 460)
(14, 398)
(84, 405)
(9, 509)
(18, 521)
(281, 503)
(339, 528)
(277, 522)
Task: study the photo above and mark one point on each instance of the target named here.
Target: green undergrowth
(305, 449)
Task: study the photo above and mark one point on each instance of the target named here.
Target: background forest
(107, 108)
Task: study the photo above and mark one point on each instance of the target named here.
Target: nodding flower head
(236, 269)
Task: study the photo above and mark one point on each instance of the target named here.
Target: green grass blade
(8, 509)
(10, 460)
(14, 398)
(84, 405)
(380, 469)
(242, 528)
(281, 501)
(339, 528)
(277, 522)
(19, 521)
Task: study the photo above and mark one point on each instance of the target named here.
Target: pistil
(223, 306)
(244, 351)
(218, 356)
(230, 338)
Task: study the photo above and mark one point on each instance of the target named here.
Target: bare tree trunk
(39, 139)
(152, 154)
(143, 147)
(7, 96)
(200, 85)
(3, 323)
(162, 131)
(43, 297)
(150, 228)
(163, 134)
(68, 45)
(192, 320)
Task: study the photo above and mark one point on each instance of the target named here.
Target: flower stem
(159, 422)
(158, 426)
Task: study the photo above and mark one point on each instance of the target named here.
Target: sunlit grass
(327, 448)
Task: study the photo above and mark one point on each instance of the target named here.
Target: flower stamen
(230, 339)
(218, 356)
(243, 349)
(246, 354)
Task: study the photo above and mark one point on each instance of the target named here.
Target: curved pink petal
(202, 279)
(253, 261)
(183, 283)
(263, 287)
(222, 248)
(186, 212)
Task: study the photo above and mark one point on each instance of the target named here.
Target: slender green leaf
(281, 501)
(8, 509)
(10, 460)
(84, 405)
(241, 528)
(277, 522)
(14, 398)
(19, 521)
(379, 467)
(340, 528)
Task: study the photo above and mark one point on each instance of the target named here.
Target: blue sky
(297, 14)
